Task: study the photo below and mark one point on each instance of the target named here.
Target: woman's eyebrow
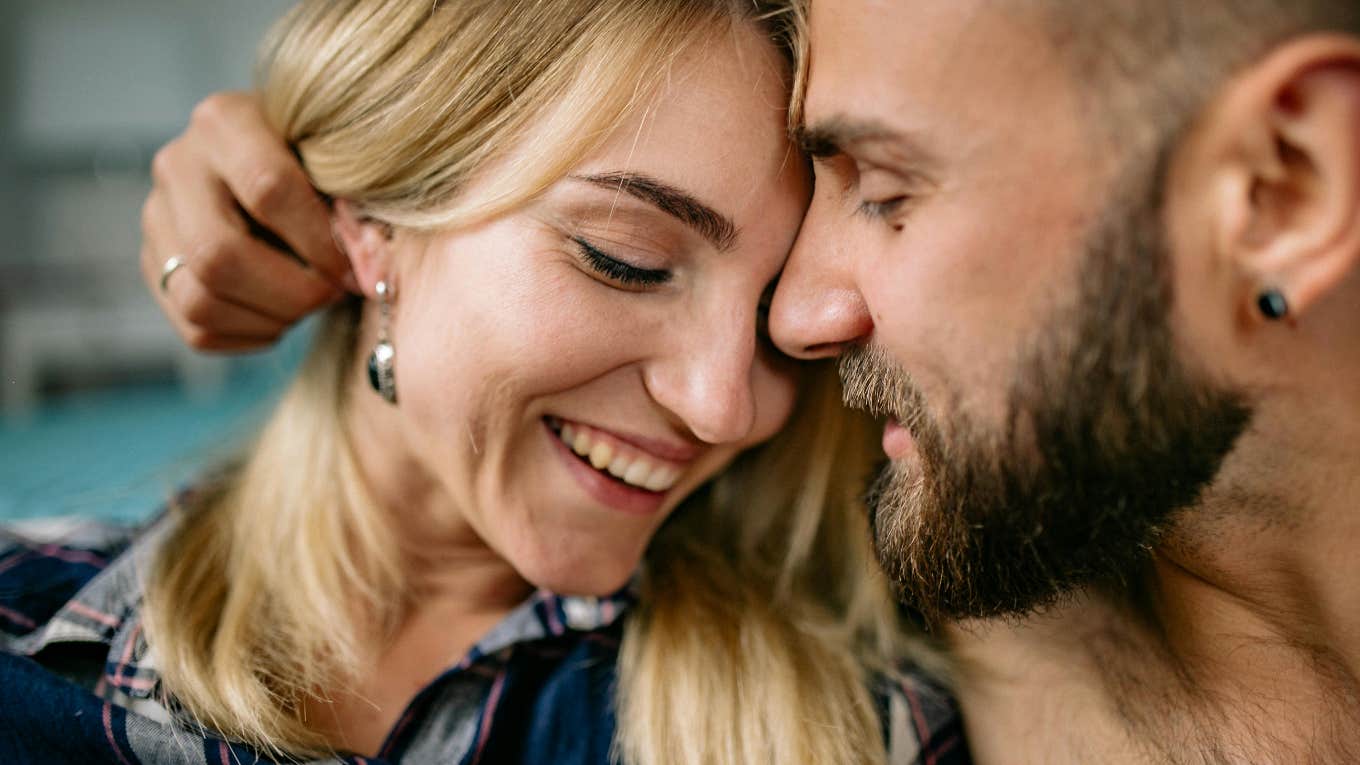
(711, 224)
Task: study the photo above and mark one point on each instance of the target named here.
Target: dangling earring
(381, 374)
(1272, 304)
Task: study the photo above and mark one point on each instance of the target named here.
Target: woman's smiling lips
(627, 473)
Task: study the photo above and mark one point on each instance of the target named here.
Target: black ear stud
(1273, 305)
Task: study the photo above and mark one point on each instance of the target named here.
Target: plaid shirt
(78, 681)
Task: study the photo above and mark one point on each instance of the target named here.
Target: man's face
(1002, 291)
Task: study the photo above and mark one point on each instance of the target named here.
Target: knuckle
(162, 162)
(148, 264)
(209, 110)
(199, 309)
(264, 190)
(213, 262)
(147, 218)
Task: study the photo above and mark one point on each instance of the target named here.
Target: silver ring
(172, 265)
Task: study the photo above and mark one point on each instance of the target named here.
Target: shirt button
(582, 612)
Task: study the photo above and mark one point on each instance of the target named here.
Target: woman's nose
(706, 379)
(817, 310)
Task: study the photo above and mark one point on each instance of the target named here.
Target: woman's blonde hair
(762, 612)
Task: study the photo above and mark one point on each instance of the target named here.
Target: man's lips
(898, 442)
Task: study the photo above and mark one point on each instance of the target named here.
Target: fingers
(205, 321)
(216, 244)
(232, 202)
(268, 182)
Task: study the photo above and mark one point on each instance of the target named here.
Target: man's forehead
(899, 64)
(892, 36)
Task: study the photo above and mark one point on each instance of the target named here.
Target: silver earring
(381, 374)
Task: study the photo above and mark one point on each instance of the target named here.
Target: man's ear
(367, 243)
(1291, 129)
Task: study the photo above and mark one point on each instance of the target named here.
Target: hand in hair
(233, 204)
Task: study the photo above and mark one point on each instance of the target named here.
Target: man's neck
(1268, 559)
(1242, 646)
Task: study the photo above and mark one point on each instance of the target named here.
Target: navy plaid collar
(108, 610)
(540, 682)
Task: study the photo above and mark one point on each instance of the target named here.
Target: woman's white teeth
(618, 467)
(661, 479)
(638, 473)
(632, 469)
(601, 454)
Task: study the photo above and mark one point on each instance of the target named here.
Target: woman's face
(569, 372)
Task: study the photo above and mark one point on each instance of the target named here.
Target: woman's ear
(365, 241)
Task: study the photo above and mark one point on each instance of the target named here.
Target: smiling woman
(591, 489)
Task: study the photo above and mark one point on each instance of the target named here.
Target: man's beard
(1107, 436)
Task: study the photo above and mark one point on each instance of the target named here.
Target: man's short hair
(1149, 66)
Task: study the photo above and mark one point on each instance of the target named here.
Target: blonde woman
(546, 493)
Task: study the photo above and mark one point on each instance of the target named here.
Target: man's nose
(817, 310)
(706, 380)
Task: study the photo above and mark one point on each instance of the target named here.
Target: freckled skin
(503, 324)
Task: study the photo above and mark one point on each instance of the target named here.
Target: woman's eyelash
(879, 210)
(619, 271)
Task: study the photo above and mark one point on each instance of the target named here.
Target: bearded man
(1098, 264)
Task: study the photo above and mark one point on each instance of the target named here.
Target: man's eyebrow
(711, 224)
(830, 136)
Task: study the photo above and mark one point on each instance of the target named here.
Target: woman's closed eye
(884, 208)
(619, 272)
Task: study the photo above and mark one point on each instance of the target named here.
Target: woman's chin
(595, 556)
(583, 576)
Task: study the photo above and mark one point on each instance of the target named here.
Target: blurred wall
(102, 410)
(88, 90)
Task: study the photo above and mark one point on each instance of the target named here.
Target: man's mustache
(873, 382)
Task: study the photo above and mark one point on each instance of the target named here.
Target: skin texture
(1234, 638)
(681, 362)
(504, 324)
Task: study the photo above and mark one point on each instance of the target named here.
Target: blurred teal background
(119, 451)
(102, 411)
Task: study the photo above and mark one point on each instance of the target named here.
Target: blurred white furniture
(76, 338)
